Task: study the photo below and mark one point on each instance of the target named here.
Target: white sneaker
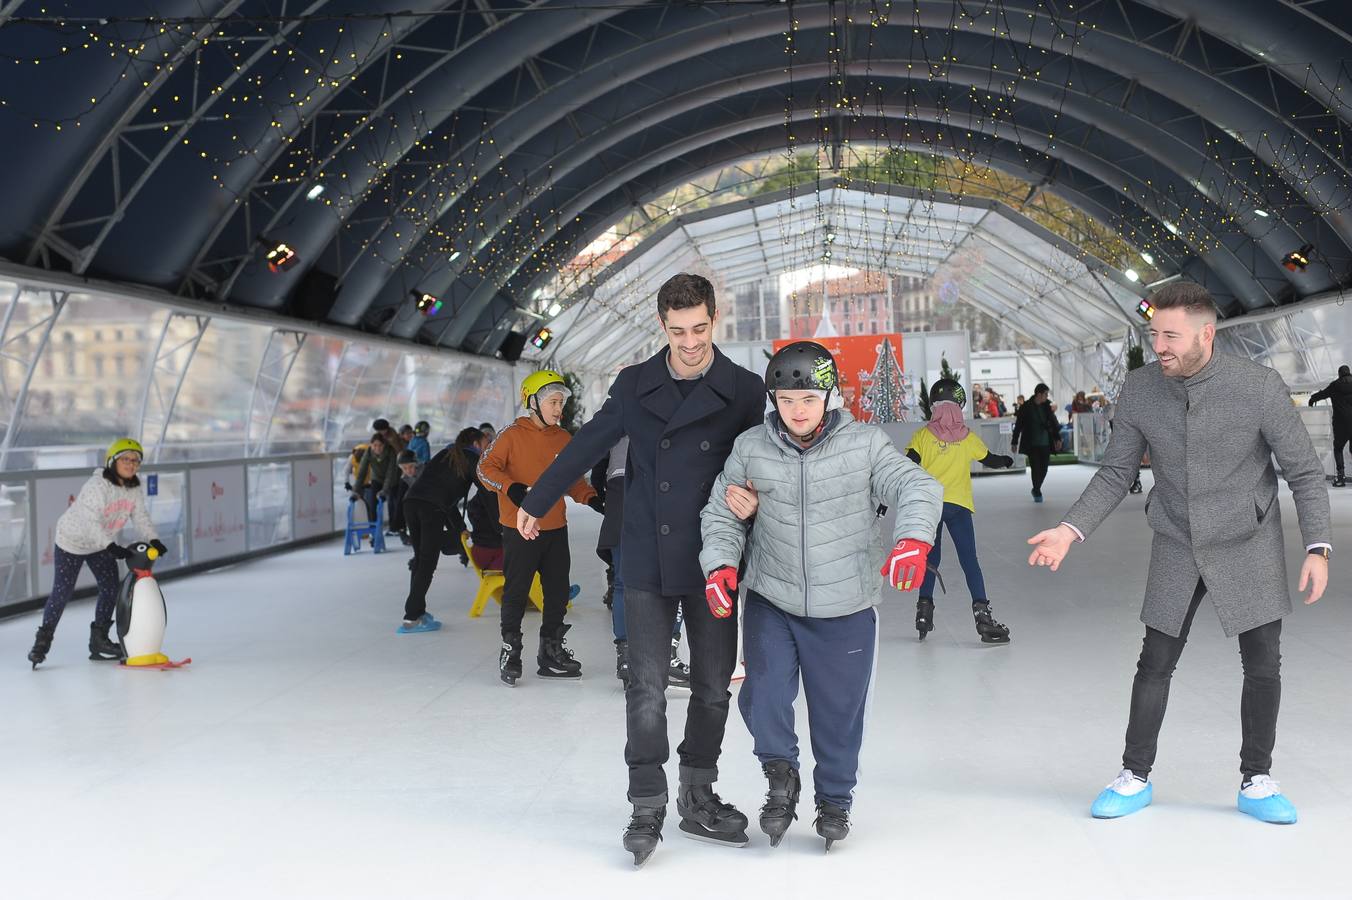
(1128, 785)
(1260, 788)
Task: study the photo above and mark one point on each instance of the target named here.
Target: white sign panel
(54, 497)
(216, 507)
(312, 490)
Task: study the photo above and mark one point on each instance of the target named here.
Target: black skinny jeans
(649, 620)
(1260, 652)
(426, 530)
(1039, 458)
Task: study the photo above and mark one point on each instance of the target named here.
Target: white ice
(309, 751)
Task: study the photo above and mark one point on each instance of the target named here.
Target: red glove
(905, 565)
(719, 591)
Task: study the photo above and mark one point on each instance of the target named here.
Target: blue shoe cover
(1111, 805)
(1276, 809)
(429, 619)
(573, 591)
(426, 623)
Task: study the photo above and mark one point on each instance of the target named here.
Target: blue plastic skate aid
(355, 530)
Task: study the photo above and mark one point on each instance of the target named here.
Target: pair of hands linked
(904, 569)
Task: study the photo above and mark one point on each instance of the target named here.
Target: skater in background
(1340, 392)
(512, 463)
(946, 448)
(419, 444)
(377, 475)
(109, 499)
(1037, 435)
(432, 508)
(1217, 532)
(810, 588)
(409, 470)
(608, 547)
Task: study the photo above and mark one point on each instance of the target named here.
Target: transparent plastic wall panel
(269, 504)
(342, 475)
(169, 511)
(1305, 346)
(211, 415)
(298, 420)
(15, 580)
(370, 396)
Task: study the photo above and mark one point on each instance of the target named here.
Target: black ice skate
(924, 616)
(643, 832)
(622, 662)
(705, 817)
(781, 799)
(1340, 481)
(991, 631)
(678, 673)
(42, 645)
(555, 660)
(100, 646)
(1136, 487)
(832, 823)
(509, 659)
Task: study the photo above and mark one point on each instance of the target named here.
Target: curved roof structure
(470, 149)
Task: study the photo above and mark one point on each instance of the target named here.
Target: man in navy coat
(681, 410)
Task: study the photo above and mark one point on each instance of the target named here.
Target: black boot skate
(678, 673)
(643, 832)
(555, 660)
(832, 823)
(991, 631)
(781, 799)
(1136, 487)
(622, 662)
(509, 659)
(705, 817)
(100, 646)
(42, 645)
(924, 616)
(1340, 481)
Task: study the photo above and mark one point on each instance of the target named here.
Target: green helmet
(121, 446)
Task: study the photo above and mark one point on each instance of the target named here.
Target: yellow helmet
(541, 379)
(120, 446)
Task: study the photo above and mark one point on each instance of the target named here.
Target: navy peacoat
(677, 447)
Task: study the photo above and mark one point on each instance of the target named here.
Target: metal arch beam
(1041, 143)
(283, 357)
(1194, 170)
(58, 298)
(488, 57)
(152, 385)
(114, 134)
(1157, 71)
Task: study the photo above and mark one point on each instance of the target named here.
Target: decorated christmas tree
(885, 397)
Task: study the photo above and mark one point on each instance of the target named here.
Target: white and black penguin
(141, 613)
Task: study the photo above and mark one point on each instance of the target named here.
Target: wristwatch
(1320, 551)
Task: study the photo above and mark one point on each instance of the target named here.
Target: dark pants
(1039, 458)
(68, 567)
(521, 559)
(370, 494)
(617, 601)
(1339, 439)
(398, 519)
(834, 658)
(649, 619)
(426, 531)
(1260, 652)
(959, 522)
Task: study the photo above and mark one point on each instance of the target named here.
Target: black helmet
(802, 366)
(947, 389)
(405, 457)
(423, 428)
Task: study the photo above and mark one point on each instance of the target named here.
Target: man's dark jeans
(1260, 652)
(649, 620)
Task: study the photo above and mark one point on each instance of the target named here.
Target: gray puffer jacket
(815, 548)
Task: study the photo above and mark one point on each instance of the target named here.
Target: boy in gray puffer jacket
(820, 479)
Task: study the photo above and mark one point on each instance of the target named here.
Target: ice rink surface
(309, 751)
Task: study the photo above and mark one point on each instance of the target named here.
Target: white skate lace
(1127, 784)
(1261, 787)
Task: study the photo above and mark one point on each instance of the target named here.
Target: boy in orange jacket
(512, 463)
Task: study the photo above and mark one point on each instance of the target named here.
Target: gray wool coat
(1214, 506)
(816, 548)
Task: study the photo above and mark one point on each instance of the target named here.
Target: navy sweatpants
(68, 567)
(834, 658)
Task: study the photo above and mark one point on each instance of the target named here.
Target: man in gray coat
(1212, 424)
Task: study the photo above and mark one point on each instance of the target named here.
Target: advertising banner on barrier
(312, 493)
(54, 496)
(217, 508)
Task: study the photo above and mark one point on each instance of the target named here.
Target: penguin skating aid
(141, 611)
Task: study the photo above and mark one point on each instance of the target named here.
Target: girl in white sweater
(110, 497)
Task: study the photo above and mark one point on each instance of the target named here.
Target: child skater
(946, 448)
(110, 497)
(810, 586)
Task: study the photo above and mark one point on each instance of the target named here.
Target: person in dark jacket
(432, 509)
(682, 409)
(377, 474)
(1037, 435)
(1340, 392)
(485, 531)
